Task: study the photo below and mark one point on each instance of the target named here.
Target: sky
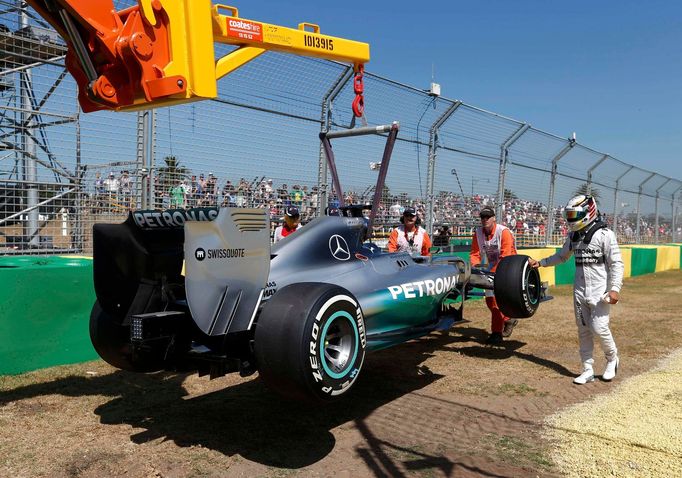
(609, 70)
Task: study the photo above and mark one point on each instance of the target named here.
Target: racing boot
(586, 376)
(611, 370)
(509, 327)
(494, 339)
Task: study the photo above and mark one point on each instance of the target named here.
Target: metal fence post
(142, 166)
(639, 196)
(550, 205)
(31, 229)
(656, 208)
(674, 213)
(77, 236)
(589, 172)
(146, 150)
(615, 199)
(151, 183)
(325, 125)
(504, 160)
(431, 167)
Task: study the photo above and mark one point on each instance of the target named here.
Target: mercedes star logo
(339, 248)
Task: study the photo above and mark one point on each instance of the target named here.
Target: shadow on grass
(247, 419)
(507, 349)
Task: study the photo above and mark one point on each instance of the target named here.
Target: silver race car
(203, 289)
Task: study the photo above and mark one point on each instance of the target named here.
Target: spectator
(178, 195)
(297, 196)
(211, 190)
(269, 189)
(111, 184)
(126, 189)
(395, 210)
(442, 238)
(283, 195)
(99, 194)
(228, 194)
(195, 192)
(99, 184)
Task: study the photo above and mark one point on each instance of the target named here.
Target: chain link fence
(257, 145)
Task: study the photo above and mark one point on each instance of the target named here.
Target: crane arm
(161, 52)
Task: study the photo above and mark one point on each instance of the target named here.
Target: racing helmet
(580, 211)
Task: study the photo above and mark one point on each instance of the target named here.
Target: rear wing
(138, 266)
(160, 52)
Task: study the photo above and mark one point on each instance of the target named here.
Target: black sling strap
(575, 237)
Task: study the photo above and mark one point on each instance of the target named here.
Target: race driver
(598, 280)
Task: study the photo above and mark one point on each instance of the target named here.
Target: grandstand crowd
(527, 219)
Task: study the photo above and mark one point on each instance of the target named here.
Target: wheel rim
(533, 285)
(338, 344)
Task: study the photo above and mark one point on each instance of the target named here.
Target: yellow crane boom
(161, 52)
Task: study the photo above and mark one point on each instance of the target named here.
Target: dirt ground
(444, 405)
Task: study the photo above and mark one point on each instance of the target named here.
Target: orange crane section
(161, 52)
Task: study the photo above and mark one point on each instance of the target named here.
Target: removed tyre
(310, 341)
(517, 287)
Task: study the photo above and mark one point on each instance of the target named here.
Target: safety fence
(257, 144)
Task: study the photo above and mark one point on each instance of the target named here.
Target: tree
(583, 188)
(171, 173)
(509, 195)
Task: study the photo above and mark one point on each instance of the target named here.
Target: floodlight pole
(550, 208)
(639, 196)
(674, 215)
(615, 199)
(589, 173)
(504, 161)
(656, 206)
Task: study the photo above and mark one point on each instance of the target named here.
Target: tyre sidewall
(333, 308)
(512, 287)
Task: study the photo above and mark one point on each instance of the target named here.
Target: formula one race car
(302, 313)
(202, 289)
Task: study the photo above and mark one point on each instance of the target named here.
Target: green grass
(514, 449)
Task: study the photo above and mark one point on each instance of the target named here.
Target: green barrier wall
(643, 261)
(45, 305)
(638, 260)
(565, 273)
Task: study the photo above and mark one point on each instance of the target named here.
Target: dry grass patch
(442, 405)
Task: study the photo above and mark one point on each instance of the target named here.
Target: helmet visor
(573, 215)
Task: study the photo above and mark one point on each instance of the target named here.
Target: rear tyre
(111, 340)
(310, 342)
(517, 287)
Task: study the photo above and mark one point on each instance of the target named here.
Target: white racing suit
(598, 270)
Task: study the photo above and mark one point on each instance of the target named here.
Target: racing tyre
(517, 287)
(310, 342)
(111, 340)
